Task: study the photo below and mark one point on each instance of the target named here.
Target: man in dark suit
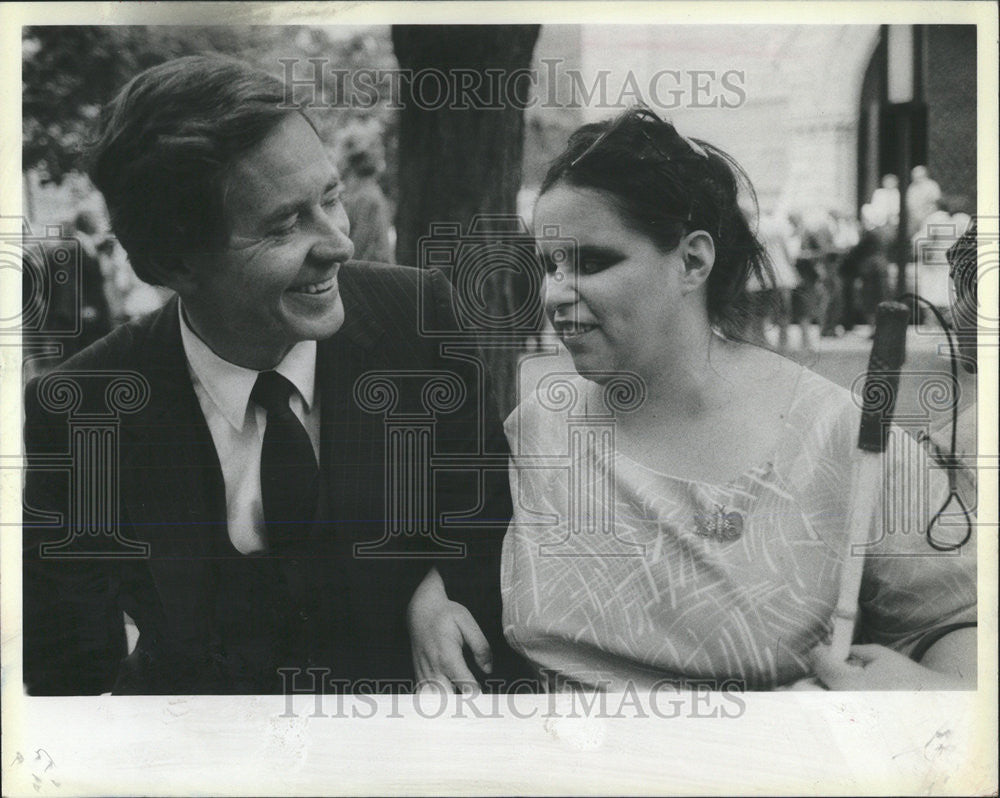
(251, 469)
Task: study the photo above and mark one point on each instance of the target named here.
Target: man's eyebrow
(292, 206)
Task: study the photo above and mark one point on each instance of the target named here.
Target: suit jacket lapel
(173, 490)
(172, 486)
(349, 435)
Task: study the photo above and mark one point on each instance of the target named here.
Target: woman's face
(612, 295)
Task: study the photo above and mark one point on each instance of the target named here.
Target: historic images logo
(319, 83)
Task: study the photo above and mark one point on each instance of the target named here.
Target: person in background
(885, 199)
(843, 235)
(367, 208)
(938, 231)
(775, 233)
(922, 197)
(865, 268)
(773, 302)
(962, 262)
(845, 238)
(811, 299)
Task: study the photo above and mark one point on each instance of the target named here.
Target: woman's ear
(697, 249)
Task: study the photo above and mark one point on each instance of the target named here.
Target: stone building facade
(803, 108)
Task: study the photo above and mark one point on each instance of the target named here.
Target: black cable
(951, 464)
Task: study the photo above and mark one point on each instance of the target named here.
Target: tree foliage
(69, 72)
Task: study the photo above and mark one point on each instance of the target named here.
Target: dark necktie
(289, 477)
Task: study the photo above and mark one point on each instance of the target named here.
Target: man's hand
(879, 668)
(439, 631)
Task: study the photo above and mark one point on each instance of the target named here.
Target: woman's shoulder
(817, 413)
(544, 410)
(803, 392)
(820, 397)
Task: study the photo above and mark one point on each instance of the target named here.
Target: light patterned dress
(613, 573)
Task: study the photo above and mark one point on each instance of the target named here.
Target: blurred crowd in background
(831, 270)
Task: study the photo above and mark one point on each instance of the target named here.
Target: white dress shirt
(237, 425)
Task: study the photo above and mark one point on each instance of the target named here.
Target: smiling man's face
(276, 282)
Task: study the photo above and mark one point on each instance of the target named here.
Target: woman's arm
(950, 664)
(915, 598)
(954, 654)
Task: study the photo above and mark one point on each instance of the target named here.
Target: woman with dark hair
(681, 503)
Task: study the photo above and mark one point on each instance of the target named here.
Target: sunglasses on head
(642, 115)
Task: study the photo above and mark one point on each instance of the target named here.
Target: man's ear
(697, 250)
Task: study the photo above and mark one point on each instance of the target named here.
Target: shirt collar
(229, 385)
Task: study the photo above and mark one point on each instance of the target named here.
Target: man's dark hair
(165, 146)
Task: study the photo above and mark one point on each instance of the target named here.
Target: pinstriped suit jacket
(352, 610)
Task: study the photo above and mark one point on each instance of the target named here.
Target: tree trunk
(461, 139)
